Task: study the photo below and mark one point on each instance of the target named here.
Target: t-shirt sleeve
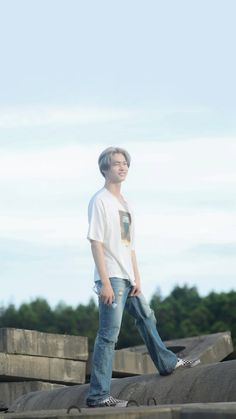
(96, 219)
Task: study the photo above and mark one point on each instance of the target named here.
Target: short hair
(104, 160)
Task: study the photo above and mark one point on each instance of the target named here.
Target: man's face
(118, 169)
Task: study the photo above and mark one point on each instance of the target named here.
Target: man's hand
(136, 289)
(107, 294)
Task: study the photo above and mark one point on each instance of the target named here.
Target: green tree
(87, 321)
(182, 313)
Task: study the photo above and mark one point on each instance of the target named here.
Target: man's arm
(137, 288)
(106, 294)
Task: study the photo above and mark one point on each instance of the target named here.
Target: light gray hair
(104, 160)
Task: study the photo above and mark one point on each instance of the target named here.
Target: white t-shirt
(112, 223)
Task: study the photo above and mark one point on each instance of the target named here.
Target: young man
(117, 280)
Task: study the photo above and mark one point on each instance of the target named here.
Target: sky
(155, 77)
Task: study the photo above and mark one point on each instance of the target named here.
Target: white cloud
(221, 178)
(44, 196)
(34, 116)
(175, 233)
(166, 231)
(170, 167)
(44, 229)
(68, 162)
(181, 165)
(46, 115)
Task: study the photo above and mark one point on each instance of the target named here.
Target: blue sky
(155, 77)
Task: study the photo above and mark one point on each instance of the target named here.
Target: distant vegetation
(183, 313)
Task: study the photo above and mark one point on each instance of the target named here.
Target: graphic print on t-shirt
(125, 222)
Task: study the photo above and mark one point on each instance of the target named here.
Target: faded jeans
(109, 328)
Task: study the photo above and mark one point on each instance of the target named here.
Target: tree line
(183, 313)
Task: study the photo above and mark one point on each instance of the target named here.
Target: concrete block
(148, 365)
(24, 367)
(202, 384)
(209, 348)
(210, 383)
(3, 405)
(99, 413)
(136, 360)
(10, 391)
(31, 342)
(209, 411)
(127, 363)
(197, 410)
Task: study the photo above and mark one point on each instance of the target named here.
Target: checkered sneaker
(187, 363)
(108, 402)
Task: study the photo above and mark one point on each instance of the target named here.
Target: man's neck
(114, 188)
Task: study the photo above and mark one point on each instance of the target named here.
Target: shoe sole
(104, 405)
(195, 363)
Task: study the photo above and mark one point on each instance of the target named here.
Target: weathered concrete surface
(209, 348)
(135, 361)
(131, 363)
(23, 367)
(101, 413)
(10, 391)
(127, 363)
(31, 342)
(187, 411)
(206, 383)
(209, 411)
(3, 405)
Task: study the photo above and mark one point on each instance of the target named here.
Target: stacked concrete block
(31, 361)
(209, 348)
(136, 360)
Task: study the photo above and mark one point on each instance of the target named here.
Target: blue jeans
(109, 328)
